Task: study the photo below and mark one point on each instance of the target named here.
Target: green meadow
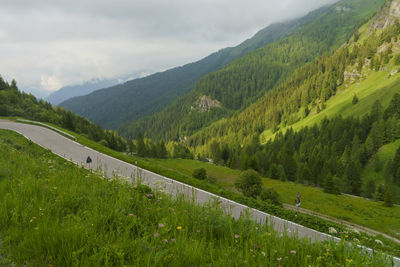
(361, 211)
(53, 213)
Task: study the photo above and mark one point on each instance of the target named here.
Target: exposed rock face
(342, 8)
(387, 15)
(351, 76)
(205, 103)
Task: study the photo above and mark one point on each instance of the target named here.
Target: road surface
(78, 154)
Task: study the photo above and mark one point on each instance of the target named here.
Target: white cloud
(45, 44)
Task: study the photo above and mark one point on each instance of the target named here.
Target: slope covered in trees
(334, 152)
(248, 78)
(14, 103)
(113, 106)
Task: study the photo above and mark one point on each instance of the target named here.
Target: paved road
(78, 153)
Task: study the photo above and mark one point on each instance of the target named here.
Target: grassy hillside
(361, 211)
(53, 213)
(376, 86)
(247, 79)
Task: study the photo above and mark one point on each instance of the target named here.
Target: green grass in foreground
(54, 213)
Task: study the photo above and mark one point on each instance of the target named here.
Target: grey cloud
(48, 43)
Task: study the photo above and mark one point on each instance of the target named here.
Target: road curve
(110, 166)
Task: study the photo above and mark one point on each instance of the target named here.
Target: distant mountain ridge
(117, 105)
(88, 87)
(70, 91)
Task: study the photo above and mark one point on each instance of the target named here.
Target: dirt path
(342, 222)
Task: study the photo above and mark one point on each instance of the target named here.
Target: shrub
(200, 173)
(271, 195)
(249, 183)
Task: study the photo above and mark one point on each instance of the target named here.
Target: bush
(355, 100)
(249, 183)
(271, 195)
(200, 173)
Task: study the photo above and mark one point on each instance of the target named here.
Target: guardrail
(50, 127)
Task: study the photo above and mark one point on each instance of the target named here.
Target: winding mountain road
(110, 166)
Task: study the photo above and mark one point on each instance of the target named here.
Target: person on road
(88, 160)
(298, 202)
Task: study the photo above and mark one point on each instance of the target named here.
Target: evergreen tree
(369, 189)
(353, 174)
(388, 197)
(162, 150)
(329, 185)
(274, 172)
(355, 99)
(140, 145)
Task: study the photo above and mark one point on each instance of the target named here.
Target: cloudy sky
(47, 44)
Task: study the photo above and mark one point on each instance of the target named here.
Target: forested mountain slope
(334, 124)
(14, 103)
(111, 107)
(222, 93)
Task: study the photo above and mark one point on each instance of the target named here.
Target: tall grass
(54, 213)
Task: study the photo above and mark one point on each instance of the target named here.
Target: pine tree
(388, 197)
(355, 99)
(140, 145)
(353, 174)
(329, 185)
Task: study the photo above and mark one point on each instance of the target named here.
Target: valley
(281, 151)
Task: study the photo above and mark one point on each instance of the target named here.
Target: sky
(48, 44)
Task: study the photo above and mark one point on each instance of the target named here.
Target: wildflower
(156, 235)
(198, 230)
(237, 236)
(293, 252)
(166, 241)
(279, 259)
(161, 225)
(179, 228)
(332, 231)
(173, 240)
(131, 214)
(263, 253)
(346, 236)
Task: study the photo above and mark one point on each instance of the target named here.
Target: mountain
(334, 123)
(114, 106)
(70, 91)
(223, 93)
(87, 87)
